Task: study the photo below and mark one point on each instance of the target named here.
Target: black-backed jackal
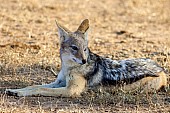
(80, 69)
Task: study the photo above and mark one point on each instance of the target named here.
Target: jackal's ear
(62, 31)
(84, 26)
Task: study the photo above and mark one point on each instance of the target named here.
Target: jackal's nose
(83, 61)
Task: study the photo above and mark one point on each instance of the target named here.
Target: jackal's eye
(85, 49)
(74, 48)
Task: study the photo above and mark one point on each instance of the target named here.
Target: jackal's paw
(13, 92)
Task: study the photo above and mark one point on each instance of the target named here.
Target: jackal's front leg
(63, 91)
(75, 85)
(27, 91)
(59, 82)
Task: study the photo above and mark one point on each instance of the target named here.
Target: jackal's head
(74, 45)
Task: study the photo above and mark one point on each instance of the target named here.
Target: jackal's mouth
(74, 60)
(79, 62)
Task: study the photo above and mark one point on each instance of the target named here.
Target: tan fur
(75, 86)
(83, 26)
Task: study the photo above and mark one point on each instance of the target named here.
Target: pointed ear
(84, 26)
(62, 32)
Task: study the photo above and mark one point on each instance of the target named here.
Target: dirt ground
(119, 29)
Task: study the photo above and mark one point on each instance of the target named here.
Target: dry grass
(119, 30)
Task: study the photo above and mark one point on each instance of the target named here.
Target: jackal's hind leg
(148, 84)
